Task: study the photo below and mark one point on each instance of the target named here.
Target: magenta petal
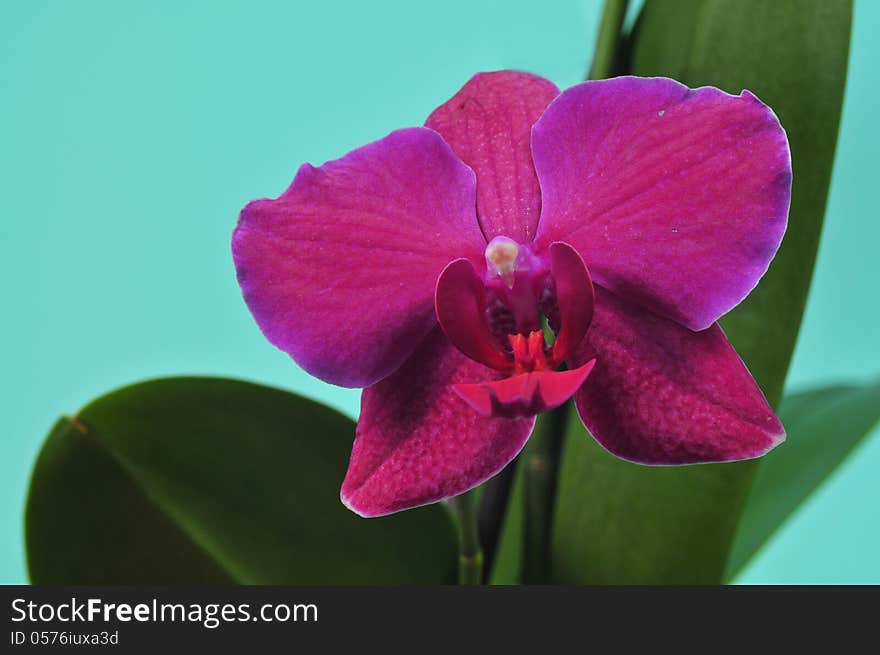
(661, 394)
(488, 124)
(339, 271)
(418, 443)
(527, 394)
(574, 298)
(676, 199)
(460, 302)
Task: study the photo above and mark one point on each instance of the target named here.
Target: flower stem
(541, 472)
(542, 460)
(470, 555)
(608, 39)
(492, 512)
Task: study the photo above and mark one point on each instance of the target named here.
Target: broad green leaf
(211, 480)
(824, 426)
(619, 522)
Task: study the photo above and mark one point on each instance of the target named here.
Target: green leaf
(618, 522)
(824, 426)
(210, 480)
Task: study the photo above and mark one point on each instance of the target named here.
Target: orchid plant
(421, 266)
(524, 251)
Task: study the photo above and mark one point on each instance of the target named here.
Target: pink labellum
(526, 394)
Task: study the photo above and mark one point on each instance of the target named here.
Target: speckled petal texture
(662, 394)
(417, 442)
(488, 124)
(339, 271)
(676, 199)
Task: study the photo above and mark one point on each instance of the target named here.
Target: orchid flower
(627, 214)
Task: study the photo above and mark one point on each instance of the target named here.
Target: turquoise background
(132, 132)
